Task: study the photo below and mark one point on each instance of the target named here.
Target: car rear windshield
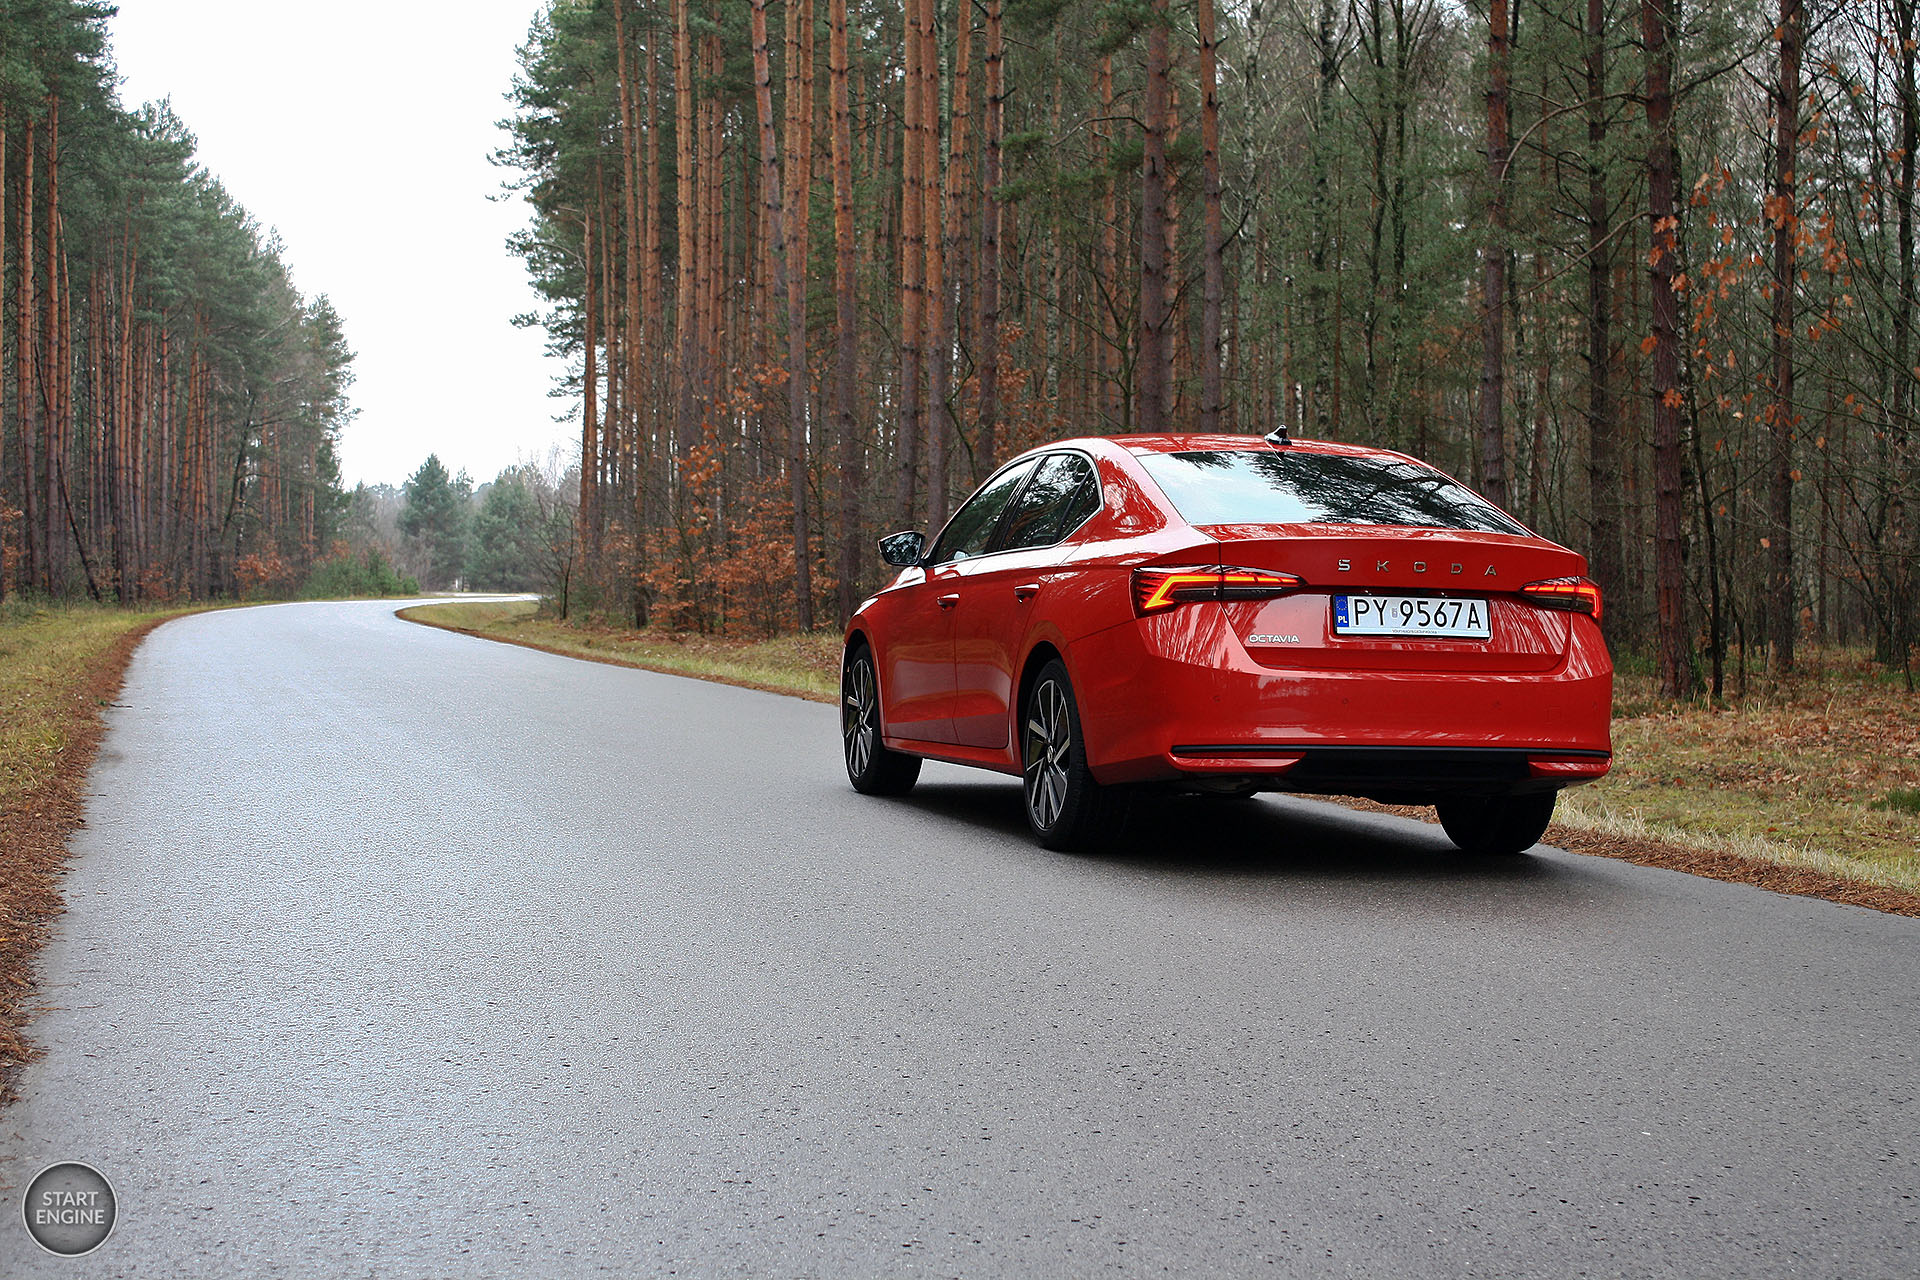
(1279, 486)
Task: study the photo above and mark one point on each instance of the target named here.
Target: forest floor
(60, 665)
(1809, 784)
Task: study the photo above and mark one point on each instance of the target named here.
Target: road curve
(396, 952)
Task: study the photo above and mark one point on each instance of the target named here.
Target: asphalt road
(393, 952)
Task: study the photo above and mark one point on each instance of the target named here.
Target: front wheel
(1496, 826)
(871, 767)
(1066, 808)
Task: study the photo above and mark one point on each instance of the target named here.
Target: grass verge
(60, 665)
(1809, 790)
(801, 666)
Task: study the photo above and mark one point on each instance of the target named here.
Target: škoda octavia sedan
(1233, 614)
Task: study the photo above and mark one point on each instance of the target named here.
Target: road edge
(36, 829)
(609, 660)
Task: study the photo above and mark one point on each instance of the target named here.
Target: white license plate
(1411, 616)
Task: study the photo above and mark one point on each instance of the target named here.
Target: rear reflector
(1157, 589)
(1576, 595)
(1570, 767)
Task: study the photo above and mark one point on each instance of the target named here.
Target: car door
(1001, 590)
(917, 658)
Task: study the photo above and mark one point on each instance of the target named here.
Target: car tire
(871, 767)
(1066, 808)
(1496, 826)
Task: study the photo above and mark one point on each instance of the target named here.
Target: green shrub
(1901, 800)
(369, 573)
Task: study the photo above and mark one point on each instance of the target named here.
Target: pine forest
(170, 402)
(1642, 273)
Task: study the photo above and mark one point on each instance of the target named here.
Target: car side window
(1063, 492)
(972, 526)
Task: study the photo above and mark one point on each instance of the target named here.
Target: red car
(1233, 614)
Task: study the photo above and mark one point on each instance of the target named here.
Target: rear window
(1279, 486)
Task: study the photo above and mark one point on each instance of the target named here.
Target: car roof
(1207, 443)
(1138, 445)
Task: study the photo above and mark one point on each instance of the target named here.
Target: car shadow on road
(1265, 836)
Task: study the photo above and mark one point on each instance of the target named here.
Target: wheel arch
(856, 638)
(1037, 658)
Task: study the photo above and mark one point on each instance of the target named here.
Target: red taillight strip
(1576, 595)
(1583, 766)
(1158, 589)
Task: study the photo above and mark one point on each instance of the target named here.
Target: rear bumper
(1203, 709)
(1404, 775)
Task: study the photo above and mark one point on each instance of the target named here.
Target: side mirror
(903, 550)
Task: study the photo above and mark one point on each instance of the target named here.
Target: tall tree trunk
(712, 254)
(589, 513)
(792, 301)
(1327, 54)
(1213, 268)
(125, 437)
(1107, 355)
(1603, 429)
(1896, 444)
(1173, 384)
(608, 490)
(652, 293)
(794, 263)
(938, 357)
(941, 277)
(846, 366)
(988, 446)
(25, 357)
(1658, 20)
(1407, 29)
(686, 294)
(1254, 336)
(1151, 362)
(633, 323)
(1783, 211)
(913, 264)
(1493, 380)
(54, 425)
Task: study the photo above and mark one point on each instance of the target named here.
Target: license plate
(1411, 616)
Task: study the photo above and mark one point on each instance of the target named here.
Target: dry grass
(59, 666)
(1811, 773)
(803, 666)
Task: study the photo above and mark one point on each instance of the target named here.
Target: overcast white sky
(360, 131)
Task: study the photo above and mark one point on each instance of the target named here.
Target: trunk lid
(1297, 630)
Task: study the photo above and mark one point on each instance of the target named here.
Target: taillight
(1583, 768)
(1157, 589)
(1576, 595)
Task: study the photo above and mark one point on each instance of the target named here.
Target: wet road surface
(393, 952)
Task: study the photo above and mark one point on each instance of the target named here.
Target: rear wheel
(1496, 826)
(1066, 808)
(873, 770)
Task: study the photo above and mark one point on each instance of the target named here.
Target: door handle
(947, 602)
(1026, 591)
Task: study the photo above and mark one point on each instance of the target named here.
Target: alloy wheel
(860, 716)
(1049, 739)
